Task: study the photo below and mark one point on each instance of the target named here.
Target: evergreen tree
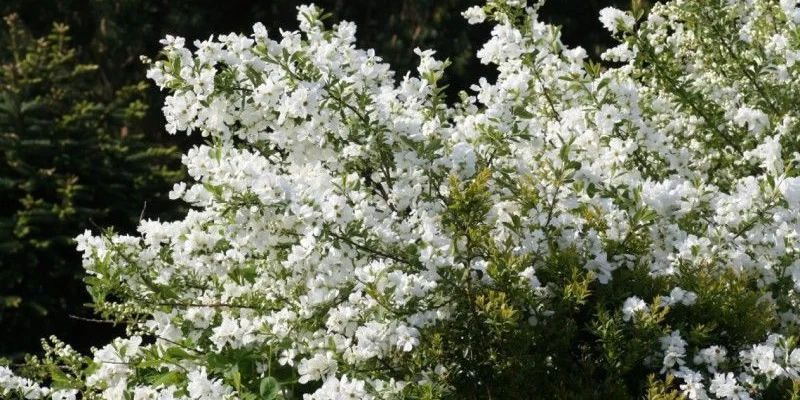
(69, 157)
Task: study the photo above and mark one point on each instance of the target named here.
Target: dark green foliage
(71, 156)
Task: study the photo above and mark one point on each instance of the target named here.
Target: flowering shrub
(570, 230)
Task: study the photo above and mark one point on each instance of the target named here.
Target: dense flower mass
(571, 229)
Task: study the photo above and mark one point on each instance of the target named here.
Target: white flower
(790, 189)
(529, 274)
(674, 348)
(11, 384)
(711, 356)
(407, 338)
(428, 64)
(754, 119)
(678, 295)
(113, 360)
(259, 31)
(601, 267)
(692, 385)
(726, 386)
(64, 394)
(463, 158)
(614, 19)
(200, 386)
(619, 53)
(632, 306)
(474, 15)
(761, 359)
(315, 368)
(791, 10)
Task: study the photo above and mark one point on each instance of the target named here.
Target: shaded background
(41, 288)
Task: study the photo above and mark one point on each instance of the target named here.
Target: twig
(95, 320)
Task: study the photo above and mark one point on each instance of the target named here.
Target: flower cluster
(354, 236)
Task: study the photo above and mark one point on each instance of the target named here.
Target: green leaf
(167, 379)
(269, 388)
(237, 381)
(574, 165)
(178, 353)
(522, 113)
(254, 75)
(60, 379)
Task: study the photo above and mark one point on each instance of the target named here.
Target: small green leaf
(167, 379)
(269, 388)
(237, 381)
(522, 113)
(178, 353)
(60, 379)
